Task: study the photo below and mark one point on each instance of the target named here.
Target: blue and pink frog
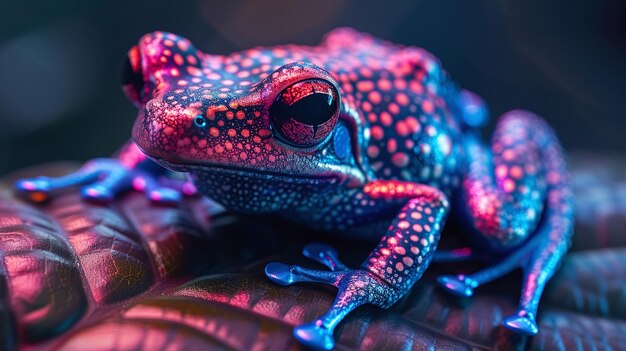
(357, 136)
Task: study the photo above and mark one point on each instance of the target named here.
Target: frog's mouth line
(251, 173)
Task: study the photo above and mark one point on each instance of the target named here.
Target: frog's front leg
(102, 179)
(392, 268)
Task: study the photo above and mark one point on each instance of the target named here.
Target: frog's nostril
(200, 121)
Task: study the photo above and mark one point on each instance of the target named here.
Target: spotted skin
(356, 135)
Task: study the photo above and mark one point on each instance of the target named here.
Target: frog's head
(255, 118)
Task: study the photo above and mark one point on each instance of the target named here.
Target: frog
(357, 136)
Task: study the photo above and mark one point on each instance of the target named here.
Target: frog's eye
(306, 112)
(132, 79)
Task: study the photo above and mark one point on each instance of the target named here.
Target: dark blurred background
(59, 60)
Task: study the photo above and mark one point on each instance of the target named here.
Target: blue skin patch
(341, 142)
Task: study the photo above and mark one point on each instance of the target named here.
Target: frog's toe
(35, 189)
(279, 273)
(97, 193)
(164, 196)
(325, 255)
(283, 274)
(314, 335)
(457, 285)
(522, 322)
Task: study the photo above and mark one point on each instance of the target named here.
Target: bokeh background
(59, 60)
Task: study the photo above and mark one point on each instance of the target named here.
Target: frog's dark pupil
(314, 109)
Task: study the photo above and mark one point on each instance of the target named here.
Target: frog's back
(409, 104)
(405, 99)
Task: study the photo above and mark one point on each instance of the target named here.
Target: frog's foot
(102, 180)
(523, 322)
(459, 285)
(464, 285)
(283, 274)
(525, 257)
(356, 287)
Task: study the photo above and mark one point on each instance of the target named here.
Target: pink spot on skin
(401, 128)
(403, 225)
(400, 159)
(393, 108)
(392, 146)
(416, 87)
(178, 60)
(508, 185)
(374, 97)
(427, 106)
(508, 155)
(501, 171)
(365, 86)
(400, 250)
(517, 172)
(377, 132)
(385, 118)
(139, 184)
(553, 177)
(384, 85)
(413, 124)
(402, 99)
(366, 106)
(373, 151)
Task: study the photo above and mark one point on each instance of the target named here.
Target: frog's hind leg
(552, 242)
(505, 204)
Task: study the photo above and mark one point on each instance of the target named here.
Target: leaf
(132, 275)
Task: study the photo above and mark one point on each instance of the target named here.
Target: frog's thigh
(505, 187)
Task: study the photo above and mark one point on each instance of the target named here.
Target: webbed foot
(458, 285)
(315, 336)
(355, 288)
(522, 322)
(102, 180)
